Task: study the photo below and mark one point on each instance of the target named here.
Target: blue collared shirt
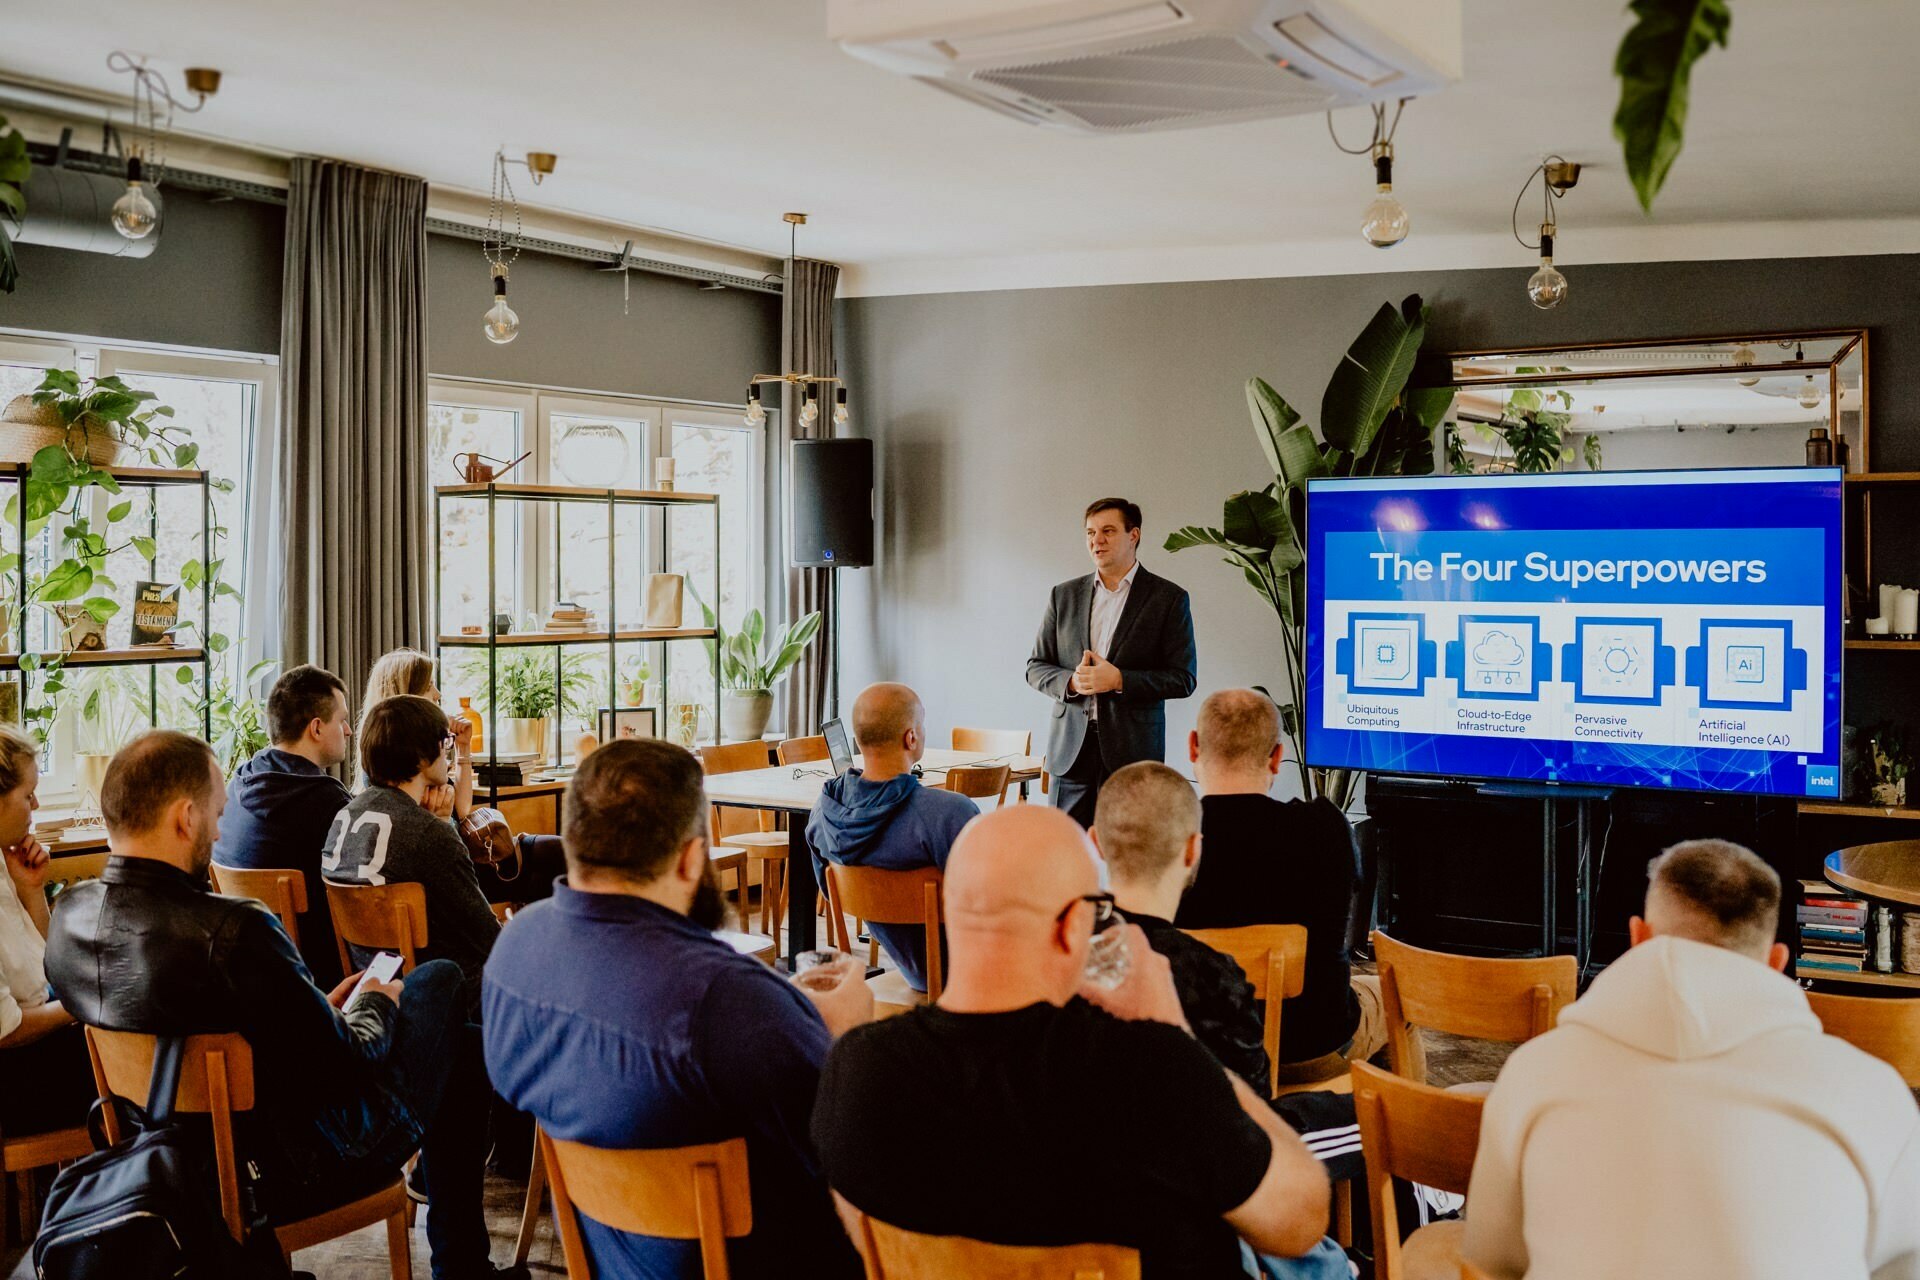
(620, 1023)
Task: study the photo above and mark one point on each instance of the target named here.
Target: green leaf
(186, 455)
(225, 589)
(1257, 520)
(29, 661)
(183, 675)
(1655, 67)
(1370, 377)
(1193, 535)
(191, 574)
(65, 381)
(118, 511)
(100, 608)
(145, 546)
(217, 642)
(68, 580)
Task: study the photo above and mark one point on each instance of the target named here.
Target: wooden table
(795, 789)
(1889, 871)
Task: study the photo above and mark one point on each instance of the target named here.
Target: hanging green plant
(14, 166)
(1655, 67)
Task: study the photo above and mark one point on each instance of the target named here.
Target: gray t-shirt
(384, 837)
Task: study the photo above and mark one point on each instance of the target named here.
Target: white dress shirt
(23, 972)
(1107, 607)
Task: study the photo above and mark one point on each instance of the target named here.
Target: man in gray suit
(1113, 647)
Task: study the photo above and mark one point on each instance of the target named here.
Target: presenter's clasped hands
(1095, 675)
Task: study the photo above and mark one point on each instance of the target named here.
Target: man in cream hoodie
(1689, 1118)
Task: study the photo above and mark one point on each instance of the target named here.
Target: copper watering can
(478, 468)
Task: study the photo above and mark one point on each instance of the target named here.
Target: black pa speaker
(830, 493)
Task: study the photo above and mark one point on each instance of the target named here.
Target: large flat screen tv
(1677, 629)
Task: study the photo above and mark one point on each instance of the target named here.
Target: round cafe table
(1889, 870)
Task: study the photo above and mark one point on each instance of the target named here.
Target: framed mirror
(1752, 400)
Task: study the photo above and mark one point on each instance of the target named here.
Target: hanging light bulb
(1743, 356)
(1809, 396)
(810, 411)
(1546, 287)
(133, 213)
(756, 412)
(1385, 222)
(501, 323)
(840, 414)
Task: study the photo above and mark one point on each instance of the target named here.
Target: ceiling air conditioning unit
(1123, 66)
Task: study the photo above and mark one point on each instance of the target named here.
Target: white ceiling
(711, 117)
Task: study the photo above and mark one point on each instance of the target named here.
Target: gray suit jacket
(1152, 646)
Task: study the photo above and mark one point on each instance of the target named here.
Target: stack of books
(569, 618)
(507, 771)
(1833, 928)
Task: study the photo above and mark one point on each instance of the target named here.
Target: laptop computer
(839, 746)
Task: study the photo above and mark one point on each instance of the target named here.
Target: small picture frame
(627, 722)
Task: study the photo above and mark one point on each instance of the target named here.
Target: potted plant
(109, 718)
(750, 667)
(638, 688)
(529, 697)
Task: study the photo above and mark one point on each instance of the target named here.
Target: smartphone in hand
(385, 967)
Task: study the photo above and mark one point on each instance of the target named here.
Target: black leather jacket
(147, 947)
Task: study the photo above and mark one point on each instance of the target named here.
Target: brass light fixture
(501, 323)
(1546, 287)
(1384, 222)
(134, 214)
(540, 165)
(812, 382)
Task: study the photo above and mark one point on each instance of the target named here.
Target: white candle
(1880, 626)
(663, 474)
(1888, 594)
(1906, 613)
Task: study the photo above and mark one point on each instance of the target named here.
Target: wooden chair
(891, 1253)
(1888, 1029)
(1473, 996)
(678, 1193)
(1470, 1272)
(216, 1080)
(752, 832)
(994, 742)
(1274, 958)
(802, 750)
(379, 917)
(889, 897)
(21, 1156)
(981, 781)
(1425, 1135)
(284, 891)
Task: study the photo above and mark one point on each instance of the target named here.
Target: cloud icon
(1497, 649)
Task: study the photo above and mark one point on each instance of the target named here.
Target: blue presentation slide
(1655, 629)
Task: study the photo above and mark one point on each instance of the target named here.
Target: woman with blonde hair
(43, 1053)
(409, 671)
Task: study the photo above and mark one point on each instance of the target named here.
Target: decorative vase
(520, 735)
(80, 631)
(26, 428)
(744, 713)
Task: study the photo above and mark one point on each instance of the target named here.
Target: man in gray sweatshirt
(880, 815)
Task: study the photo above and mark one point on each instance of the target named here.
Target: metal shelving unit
(150, 656)
(613, 500)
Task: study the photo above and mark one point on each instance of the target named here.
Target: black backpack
(147, 1207)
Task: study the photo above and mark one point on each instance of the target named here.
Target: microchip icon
(1746, 664)
(1383, 653)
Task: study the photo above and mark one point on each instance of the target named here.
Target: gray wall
(998, 416)
(214, 282)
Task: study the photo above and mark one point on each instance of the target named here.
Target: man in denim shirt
(614, 1016)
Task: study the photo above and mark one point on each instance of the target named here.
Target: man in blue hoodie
(281, 802)
(880, 815)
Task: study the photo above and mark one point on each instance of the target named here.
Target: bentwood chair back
(1887, 1029)
(802, 750)
(284, 892)
(1274, 958)
(1422, 1134)
(891, 1253)
(676, 1193)
(994, 742)
(752, 832)
(889, 897)
(216, 1080)
(980, 781)
(1472, 996)
(379, 917)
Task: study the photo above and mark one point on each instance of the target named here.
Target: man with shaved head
(1029, 1107)
(1688, 1117)
(1280, 862)
(880, 816)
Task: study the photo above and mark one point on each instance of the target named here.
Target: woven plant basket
(26, 428)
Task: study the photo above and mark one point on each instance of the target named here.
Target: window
(221, 404)
(558, 552)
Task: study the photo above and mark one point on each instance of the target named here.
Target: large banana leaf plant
(1371, 424)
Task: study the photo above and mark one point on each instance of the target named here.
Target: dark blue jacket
(617, 1022)
(895, 825)
(279, 806)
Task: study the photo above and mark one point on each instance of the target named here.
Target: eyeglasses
(1105, 914)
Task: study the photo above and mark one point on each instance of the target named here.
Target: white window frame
(566, 404)
(474, 395)
(757, 513)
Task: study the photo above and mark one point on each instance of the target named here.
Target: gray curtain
(351, 496)
(806, 346)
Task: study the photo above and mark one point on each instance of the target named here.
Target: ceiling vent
(1121, 66)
